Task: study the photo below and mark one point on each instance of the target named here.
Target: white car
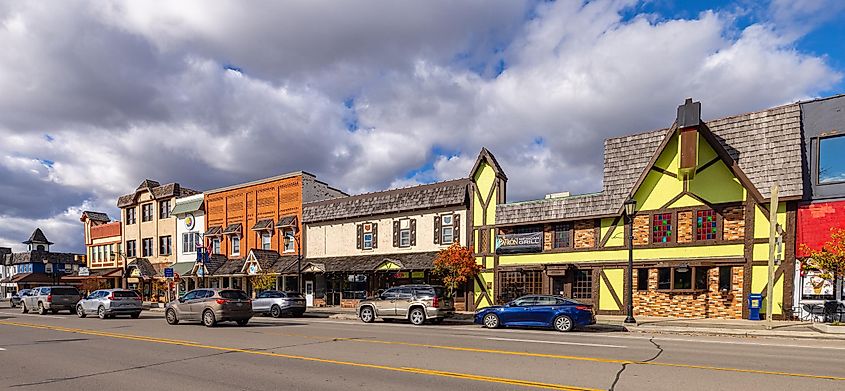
(108, 303)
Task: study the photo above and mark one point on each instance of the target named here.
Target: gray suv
(278, 303)
(416, 303)
(210, 305)
(108, 303)
(51, 298)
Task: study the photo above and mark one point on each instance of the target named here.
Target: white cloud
(115, 92)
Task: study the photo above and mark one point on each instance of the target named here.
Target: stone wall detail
(641, 229)
(585, 234)
(711, 303)
(685, 227)
(733, 223)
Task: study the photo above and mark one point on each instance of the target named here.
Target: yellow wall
(686, 201)
(606, 302)
(618, 236)
(761, 221)
(759, 279)
(672, 253)
(485, 278)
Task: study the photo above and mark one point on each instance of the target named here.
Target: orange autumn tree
(830, 259)
(455, 265)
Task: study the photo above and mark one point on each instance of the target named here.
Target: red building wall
(815, 222)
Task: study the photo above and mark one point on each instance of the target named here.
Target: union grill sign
(519, 243)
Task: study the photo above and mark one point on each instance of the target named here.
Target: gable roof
(95, 216)
(486, 156)
(157, 191)
(435, 195)
(765, 145)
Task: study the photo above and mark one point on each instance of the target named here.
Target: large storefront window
(583, 285)
(519, 283)
(831, 160)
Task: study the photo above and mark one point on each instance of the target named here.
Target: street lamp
(298, 256)
(630, 208)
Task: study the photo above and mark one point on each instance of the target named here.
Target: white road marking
(1, 349)
(556, 342)
(35, 315)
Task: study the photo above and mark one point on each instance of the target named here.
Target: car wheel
(276, 311)
(563, 323)
(242, 322)
(491, 321)
(170, 315)
(80, 312)
(23, 308)
(417, 316)
(367, 315)
(135, 315)
(101, 312)
(208, 318)
(41, 309)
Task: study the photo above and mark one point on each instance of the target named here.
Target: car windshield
(234, 295)
(64, 291)
(125, 294)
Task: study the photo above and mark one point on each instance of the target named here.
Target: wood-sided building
(700, 231)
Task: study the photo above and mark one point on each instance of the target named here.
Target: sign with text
(531, 242)
(84, 272)
(168, 272)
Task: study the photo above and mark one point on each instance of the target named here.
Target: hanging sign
(519, 243)
(418, 275)
(84, 272)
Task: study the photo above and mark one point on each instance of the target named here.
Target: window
(236, 245)
(131, 249)
(367, 236)
(446, 229)
(583, 286)
(527, 229)
(368, 241)
(525, 301)
(831, 160)
(164, 209)
(164, 245)
(290, 241)
(705, 225)
(545, 300)
(215, 246)
(661, 228)
(682, 278)
(664, 278)
(725, 278)
(130, 216)
(519, 283)
(147, 247)
(265, 240)
(146, 212)
(189, 242)
(405, 233)
(642, 279)
(561, 236)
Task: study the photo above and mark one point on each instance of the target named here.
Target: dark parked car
(555, 312)
(16, 298)
(210, 305)
(51, 298)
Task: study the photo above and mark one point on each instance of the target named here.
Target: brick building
(103, 243)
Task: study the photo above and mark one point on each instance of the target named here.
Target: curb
(735, 332)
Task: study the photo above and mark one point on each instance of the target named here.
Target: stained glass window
(661, 228)
(705, 225)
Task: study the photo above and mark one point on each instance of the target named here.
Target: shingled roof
(37, 237)
(360, 263)
(158, 192)
(766, 146)
(435, 195)
(96, 216)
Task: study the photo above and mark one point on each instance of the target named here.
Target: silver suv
(416, 303)
(278, 303)
(108, 303)
(51, 298)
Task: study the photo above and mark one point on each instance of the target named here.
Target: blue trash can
(755, 301)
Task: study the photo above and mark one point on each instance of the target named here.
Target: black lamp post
(298, 257)
(630, 209)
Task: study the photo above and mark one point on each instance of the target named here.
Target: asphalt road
(63, 352)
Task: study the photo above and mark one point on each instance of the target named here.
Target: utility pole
(773, 223)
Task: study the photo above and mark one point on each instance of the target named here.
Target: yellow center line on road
(574, 358)
(419, 371)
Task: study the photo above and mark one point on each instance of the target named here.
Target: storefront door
(309, 293)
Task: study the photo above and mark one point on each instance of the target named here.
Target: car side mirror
(509, 304)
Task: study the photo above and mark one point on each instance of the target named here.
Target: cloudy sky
(368, 95)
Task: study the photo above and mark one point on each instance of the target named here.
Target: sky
(369, 95)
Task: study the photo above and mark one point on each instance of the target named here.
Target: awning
(187, 207)
(263, 225)
(141, 267)
(233, 229)
(182, 268)
(287, 222)
(32, 277)
(113, 272)
(214, 231)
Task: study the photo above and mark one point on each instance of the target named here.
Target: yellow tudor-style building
(700, 230)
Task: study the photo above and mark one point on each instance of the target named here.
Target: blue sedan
(555, 312)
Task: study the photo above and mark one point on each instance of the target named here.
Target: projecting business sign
(519, 243)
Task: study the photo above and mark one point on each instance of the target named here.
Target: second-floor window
(405, 233)
(661, 228)
(164, 245)
(290, 240)
(236, 245)
(705, 225)
(189, 242)
(447, 231)
(131, 249)
(147, 247)
(367, 236)
(561, 238)
(130, 215)
(164, 209)
(146, 212)
(266, 243)
(215, 246)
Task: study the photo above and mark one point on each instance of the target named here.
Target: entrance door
(309, 293)
(559, 286)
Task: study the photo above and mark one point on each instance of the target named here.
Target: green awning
(187, 207)
(182, 268)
